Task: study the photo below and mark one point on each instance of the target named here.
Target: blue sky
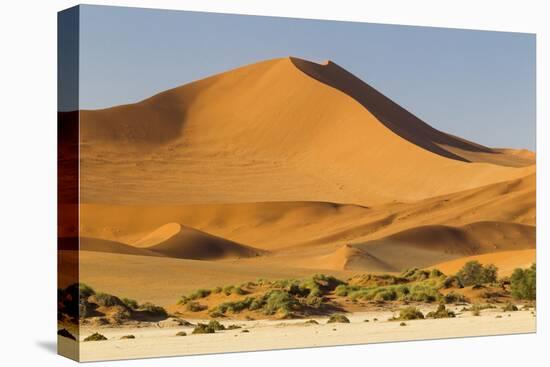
(475, 84)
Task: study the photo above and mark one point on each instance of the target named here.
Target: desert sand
(283, 169)
(266, 334)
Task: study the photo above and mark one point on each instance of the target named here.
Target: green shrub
(203, 329)
(181, 333)
(338, 318)
(440, 313)
(194, 306)
(233, 327)
(278, 300)
(199, 293)
(509, 306)
(217, 290)
(473, 273)
(341, 290)
(453, 297)
(85, 290)
(435, 273)
(95, 337)
(107, 300)
(153, 309)
(131, 303)
(216, 325)
(410, 313)
(523, 283)
(402, 323)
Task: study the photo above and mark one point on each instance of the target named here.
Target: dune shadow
(389, 113)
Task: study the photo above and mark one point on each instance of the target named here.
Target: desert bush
(131, 303)
(194, 306)
(216, 325)
(423, 293)
(509, 306)
(181, 333)
(95, 337)
(451, 281)
(245, 331)
(402, 323)
(217, 289)
(107, 300)
(128, 337)
(410, 313)
(235, 306)
(85, 290)
(415, 274)
(66, 334)
(203, 329)
(233, 327)
(473, 273)
(523, 283)
(435, 273)
(314, 322)
(199, 293)
(453, 297)
(153, 309)
(341, 290)
(278, 300)
(338, 318)
(440, 313)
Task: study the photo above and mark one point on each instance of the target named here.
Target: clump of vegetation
(216, 290)
(245, 331)
(409, 313)
(233, 327)
(216, 325)
(231, 289)
(338, 318)
(153, 310)
(195, 306)
(313, 322)
(509, 307)
(440, 313)
(128, 337)
(453, 297)
(473, 273)
(203, 329)
(131, 303)
(181, 333)
(84, 290)
(452, 281)
(66, 334)
(95, 337)
(523, 283)
(107, 300)
(402, 323)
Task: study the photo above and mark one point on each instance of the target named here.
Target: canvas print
(241, 183)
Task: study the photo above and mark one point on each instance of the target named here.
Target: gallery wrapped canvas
(239, 183)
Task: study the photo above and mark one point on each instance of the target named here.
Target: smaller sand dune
(101, 245)
(175, 240)
(349, 257)
(506, 261)
(425, 246)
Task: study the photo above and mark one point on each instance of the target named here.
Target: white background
(28, 182)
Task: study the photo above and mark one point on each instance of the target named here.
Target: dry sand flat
(265, 334)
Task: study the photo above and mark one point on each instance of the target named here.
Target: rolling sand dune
(285, 168)
(101, 245)
(173, 240)
(285, 135)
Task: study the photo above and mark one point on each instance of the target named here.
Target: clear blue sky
(475, 84)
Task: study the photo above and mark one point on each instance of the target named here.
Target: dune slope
(174, 240)
(273, 132)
